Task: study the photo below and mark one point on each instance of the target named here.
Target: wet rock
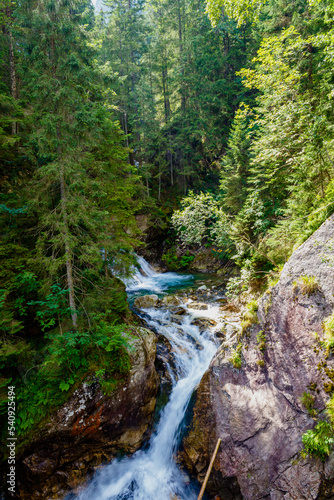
(91, 428)
(198, 305)
(256, 410)
(204, 323)
(193, 297)
(171, 300)
(146, 301)
(176, 318)
(165, 365)
(177, 310)
(202, 288)
(220, 335)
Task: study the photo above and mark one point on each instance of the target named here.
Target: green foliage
(328, 327)
(252, 306)
(261, 340)
(319, 441)
(52, 308)
(235, 357)
(201, 221)
(67, 359)
(174, 262)
(330, 409)
(240, 10)
(307, 400)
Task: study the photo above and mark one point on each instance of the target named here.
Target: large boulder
(257, 410)
(92, 428)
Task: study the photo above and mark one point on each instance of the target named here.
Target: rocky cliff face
(256, 410)
(92, 428)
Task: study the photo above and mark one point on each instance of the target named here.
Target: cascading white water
(146, 279)
(152, 474)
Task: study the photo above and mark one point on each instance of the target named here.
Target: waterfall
(141, 275)
(152, 473)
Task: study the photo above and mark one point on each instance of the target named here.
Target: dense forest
(215, 120)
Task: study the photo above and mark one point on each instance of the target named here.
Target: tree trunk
(12, 72)
(68, 257)
(183, 98)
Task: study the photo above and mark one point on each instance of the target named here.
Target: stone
(204, 323)
(176, 318)
(177, 310)
(202, 288)
(91, 428)
(256, 410)
(146, 301)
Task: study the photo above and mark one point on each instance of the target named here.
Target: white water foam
(145, 278)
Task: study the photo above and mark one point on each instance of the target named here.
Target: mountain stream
(152, 473)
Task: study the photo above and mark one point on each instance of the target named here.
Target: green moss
(245, 325)
(249, 316)
(261, 363)
(328, 387)
(261, 340)
(328, 327)
(235, 357)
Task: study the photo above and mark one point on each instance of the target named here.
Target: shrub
(261, 362)
(319, 441)
(307, 284)
(201, 221)
(173, 262)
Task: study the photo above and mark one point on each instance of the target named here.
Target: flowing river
(152, 473)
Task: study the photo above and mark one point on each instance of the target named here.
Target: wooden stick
(208, 472)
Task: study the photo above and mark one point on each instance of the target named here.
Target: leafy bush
(330, 409)
(201, 221)
(319, 441)
(173, 262)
